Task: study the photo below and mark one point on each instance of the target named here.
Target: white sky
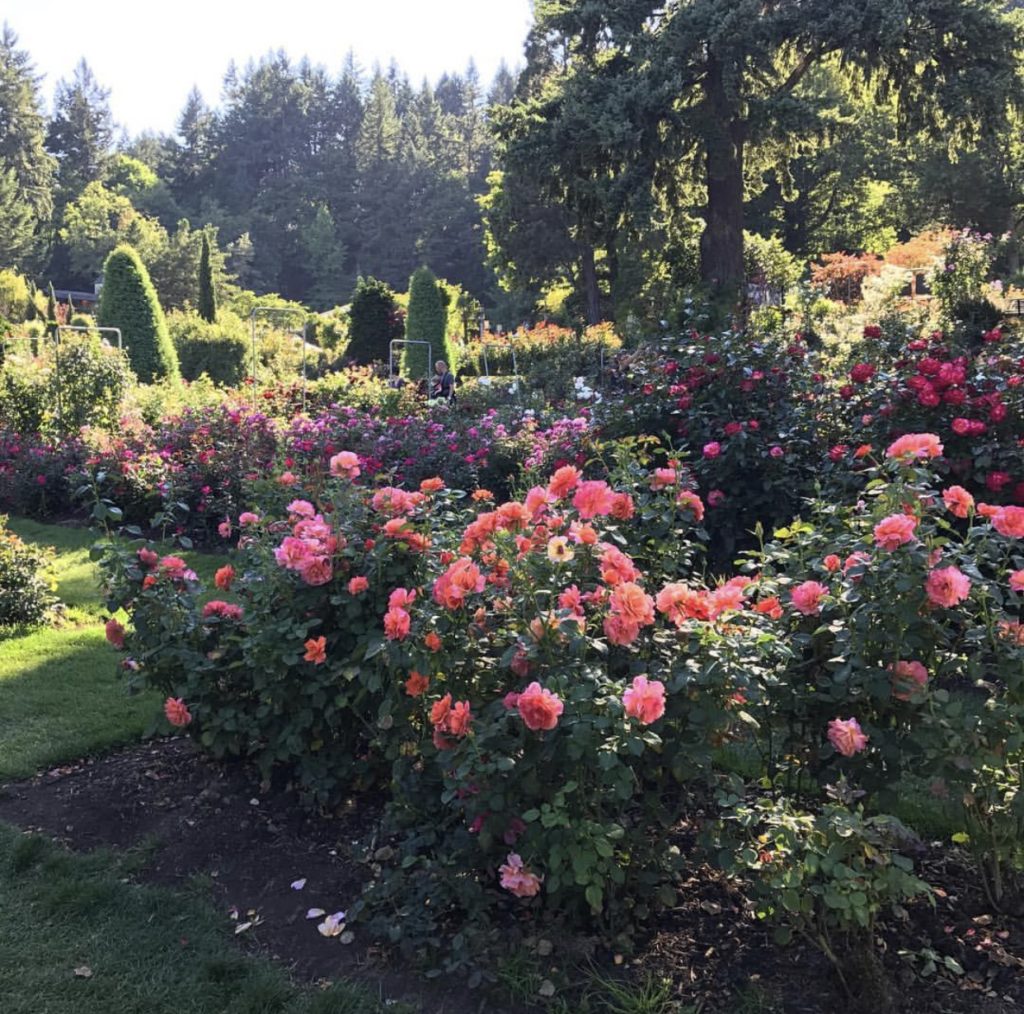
(150, 54)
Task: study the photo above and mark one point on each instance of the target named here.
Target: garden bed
(193, 818)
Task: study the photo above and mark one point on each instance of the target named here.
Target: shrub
(841, 275)
(15, 298)
(426, 322)
(25, 393)
(25, 595)
(129, 301)
(221, 350)
(766, 258)
(374, 320)
(91, 383)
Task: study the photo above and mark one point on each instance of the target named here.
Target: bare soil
(193, 817)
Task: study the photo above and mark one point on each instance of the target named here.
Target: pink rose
(847, 736)
(806, 597)
(645, 700)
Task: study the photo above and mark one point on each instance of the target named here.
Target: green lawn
(137, 949)
(61, 696)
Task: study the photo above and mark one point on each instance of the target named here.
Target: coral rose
(177, 714)
(564, 481)
(594, 498)
(958, 501)
(517, 879)
(915, 445)
(539, 708)
(907, 677)
(358, 584)
(1009, 521)
(224, 576)
(316, 650)
(396, 624)
(345, 465)
(947, 587)
(645, 700)
(806, 597)
(688, 499)
(895, 531)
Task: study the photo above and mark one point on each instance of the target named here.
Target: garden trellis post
(305, 335)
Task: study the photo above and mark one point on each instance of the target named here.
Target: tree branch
(807, 61)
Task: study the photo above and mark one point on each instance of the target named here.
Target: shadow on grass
(61, 698)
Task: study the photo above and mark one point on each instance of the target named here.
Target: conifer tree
(129, 301)
(426, 322)
(207, 296)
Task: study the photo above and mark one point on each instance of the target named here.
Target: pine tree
(374, 321)
(426, 322)
(207, 305)
(26, 171)
(129, 301)
(81, 132)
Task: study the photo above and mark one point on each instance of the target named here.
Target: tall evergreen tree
(26, 170)
(718, 78)
(193, 155)
(426, 322)
(129, 301)
(207, 304)
(81, 132)
(386, 241)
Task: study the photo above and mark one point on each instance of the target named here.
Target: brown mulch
(192, 816)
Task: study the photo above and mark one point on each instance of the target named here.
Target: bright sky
(149, 55)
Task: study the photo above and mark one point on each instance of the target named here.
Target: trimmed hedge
(427, 322)
(129, 301)
(219, 350)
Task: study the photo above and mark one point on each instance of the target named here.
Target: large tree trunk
(588, 276)
(721, 243)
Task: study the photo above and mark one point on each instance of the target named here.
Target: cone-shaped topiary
(129, 301)
(426, 322)
(207, 305)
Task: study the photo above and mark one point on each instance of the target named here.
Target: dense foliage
(374, 322)
(426, 321)
(25, 594)
(130, 302)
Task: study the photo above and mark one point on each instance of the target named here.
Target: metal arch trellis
(305, 336)
(515, 365)
(410, 341)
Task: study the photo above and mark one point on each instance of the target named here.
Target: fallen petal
(298, 885)
(333, 925)
(315, 913)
